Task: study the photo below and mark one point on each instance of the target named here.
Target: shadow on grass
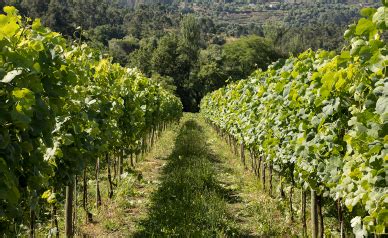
(189, 201)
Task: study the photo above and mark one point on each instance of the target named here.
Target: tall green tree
(151, 20)
(211, 72)
(190, 32)
(165, 82)
(58, 17)
(120, 49)
(188, 50)
(164, 58)
(140, 58)
(32, 8)
(243, 56)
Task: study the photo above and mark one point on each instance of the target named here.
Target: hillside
(196, 47)
(289, 135)
(133, 3)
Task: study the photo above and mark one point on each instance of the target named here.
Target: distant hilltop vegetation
(133, 3)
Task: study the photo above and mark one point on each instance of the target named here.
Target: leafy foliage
(167, 38)
(62, 106)
(321, 120)
(243, 56)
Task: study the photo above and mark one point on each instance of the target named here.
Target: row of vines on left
(63, 108)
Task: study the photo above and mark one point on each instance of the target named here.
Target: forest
(195, 48)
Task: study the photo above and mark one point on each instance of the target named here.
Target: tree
(165, 82)
(33, 8)
(188, 48)
(86, 13)
(140, 58)
(243, 56)
(190, 33)
(104, 33)
(58, 17)
(150, 21)
(121, 48)
(164, 58)
(211, 72)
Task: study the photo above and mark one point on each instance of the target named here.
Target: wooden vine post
(304, 224)
(242, 155)
(341, 219)
(321, 227)
(69, 211)
(32, 223)
(263, 175)
(110, 193)
(270, 179)
(98, 192)
(314, 215)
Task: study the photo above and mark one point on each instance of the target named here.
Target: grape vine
(321, 120)
(63, 107)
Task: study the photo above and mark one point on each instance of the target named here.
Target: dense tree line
(66, 15)
(197, 70)
(193, 52)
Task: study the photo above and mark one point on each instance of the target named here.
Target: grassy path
(189, 201)
(254, 211)
(120, 216)
(191, 185)
(206, 192)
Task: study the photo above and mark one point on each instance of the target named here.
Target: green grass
(119, 216)
(259, 214)
(189, 202)
(255, 212)
(190, 185)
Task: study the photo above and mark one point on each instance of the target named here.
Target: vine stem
(314, 215)
(69, 211)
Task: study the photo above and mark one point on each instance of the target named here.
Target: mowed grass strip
(189, 201)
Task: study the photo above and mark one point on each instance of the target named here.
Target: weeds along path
(189, 202)
(255, 212)
(191, 185)
(205, 192)
(120, 216)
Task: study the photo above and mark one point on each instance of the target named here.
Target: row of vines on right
(320, 121)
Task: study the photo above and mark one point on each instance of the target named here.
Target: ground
(191, 184)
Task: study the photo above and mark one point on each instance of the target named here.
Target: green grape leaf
(8, 187)
(5, 138)
(363, 26)
(380, 229)
(8, 24)
(367, 12)
(37, 45)
(380, 18)
(46, 194)
(3, 19)
(26, 146)
(340, 83)
(22, 93)
(10, 10)
(67, 139)
(36, 25)
(383, 216)
(21, 120)
(382, 105)
(36, 66)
